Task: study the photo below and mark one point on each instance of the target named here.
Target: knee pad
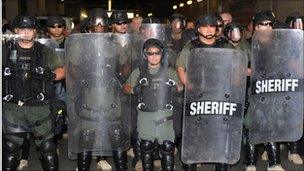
(47, 146)
(11, 147)
(146, 145)
(167, 146)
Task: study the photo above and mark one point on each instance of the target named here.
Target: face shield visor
(297, 23)
(177, 24)
(235, 34)
(98, 21)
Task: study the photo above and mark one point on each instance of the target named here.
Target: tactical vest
(155, 90)
(196, 43)
(24, 83)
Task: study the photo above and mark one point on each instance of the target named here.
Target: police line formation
(206, 90)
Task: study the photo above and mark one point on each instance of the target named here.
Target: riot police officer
(55, 27)
(177, 23)
(119, 20)
(154, 83)
(262, 21)
(295, 21)
(29, 69)
(206, 27)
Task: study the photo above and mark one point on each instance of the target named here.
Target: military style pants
(18, 121)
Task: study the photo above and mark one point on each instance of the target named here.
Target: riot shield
(156, 31)
(148, 31)
(61, 53)
(213, 106)
(94, 96)
(276, 100)
(48, 42)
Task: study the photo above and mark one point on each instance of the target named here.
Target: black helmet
(150, 20)
(179, 17)
(206, 20)
(295, 20)
(119, 16)
(55, 19)
(97, 13)
(152, 42)
(263, 16)
(231, 26)
(25, 21)
(233, 32)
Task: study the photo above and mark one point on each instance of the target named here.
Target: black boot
(120, 160)
(11, 155)
(221, 167)
(167, 152)
(48, 155)
(136, 150)
(250, 151)
(147, 148)
(189, 167)
(294, 147)
(273, 151)
(84, 160)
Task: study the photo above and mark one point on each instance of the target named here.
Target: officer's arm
(60, 73)
(128, 87)
(181, 72)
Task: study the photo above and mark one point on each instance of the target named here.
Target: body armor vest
(196, 43)
(155, 90)
(25, 82)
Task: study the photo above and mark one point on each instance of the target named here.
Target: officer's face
(98, 25)
(27, 34)
(208, 31)
(56, 30)
(264, 25)
(120, 27)
(176, 25)
(153, 55)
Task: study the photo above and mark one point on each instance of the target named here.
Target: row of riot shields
(99, 116)
(215, 96)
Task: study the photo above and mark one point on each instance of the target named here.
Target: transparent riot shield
(276, 100)
(96, 121)
(213, 106)
(61, 53)
(48, 42)
(148, 31)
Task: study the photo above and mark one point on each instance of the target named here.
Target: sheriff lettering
(214, 108)
(276, 85)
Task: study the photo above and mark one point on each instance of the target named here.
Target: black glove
(43, 74)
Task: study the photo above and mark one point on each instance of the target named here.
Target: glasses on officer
(266, 24)
(56, 26)
(153, 53)
(121, 23)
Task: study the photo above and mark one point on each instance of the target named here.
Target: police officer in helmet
(98, 21)
(119, 20)
(29, 69)
(206, 27)
(154, 82)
